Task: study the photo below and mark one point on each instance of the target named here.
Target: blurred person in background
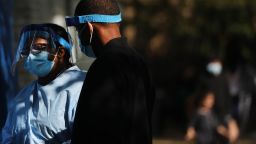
(205, 126)
(241, 78)
(117, 97)
(43, 111)
(215, 77)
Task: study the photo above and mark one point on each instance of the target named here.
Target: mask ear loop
(54, 55)
(91, 32)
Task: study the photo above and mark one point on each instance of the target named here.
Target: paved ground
(169, 141)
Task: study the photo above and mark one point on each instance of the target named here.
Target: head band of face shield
(76, 20)
(64, 43)
(41, 34)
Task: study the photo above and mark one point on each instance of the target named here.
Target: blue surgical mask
(214, 68)
(38, 64)
(87, 50)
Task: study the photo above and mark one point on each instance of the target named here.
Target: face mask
(87, 49)
(38, 64)
(214, 68)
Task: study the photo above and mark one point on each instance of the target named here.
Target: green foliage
(205, 25)
(177, 36)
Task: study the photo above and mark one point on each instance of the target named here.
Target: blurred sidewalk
(173, 141)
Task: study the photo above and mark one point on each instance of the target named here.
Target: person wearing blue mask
(116, 101)
(214, 77)
(43, 111)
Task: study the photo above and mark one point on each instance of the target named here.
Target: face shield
(37, 38)
(76, 27)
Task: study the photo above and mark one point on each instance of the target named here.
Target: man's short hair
(107, 7)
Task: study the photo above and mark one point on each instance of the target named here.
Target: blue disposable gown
(45, 114)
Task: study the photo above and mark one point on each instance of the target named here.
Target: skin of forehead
(39, 40)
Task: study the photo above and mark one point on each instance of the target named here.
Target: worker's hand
(233, 131)
(191, 133)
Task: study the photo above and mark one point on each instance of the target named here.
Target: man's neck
(109, 36)
(107, 33)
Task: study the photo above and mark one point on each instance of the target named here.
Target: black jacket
(116, 101)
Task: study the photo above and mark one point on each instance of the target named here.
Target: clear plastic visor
(76, 27)
(76, 43)
(33, 42)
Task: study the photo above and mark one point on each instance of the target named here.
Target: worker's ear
(61, 52)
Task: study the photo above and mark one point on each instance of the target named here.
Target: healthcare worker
(43, 111)
(116, 101)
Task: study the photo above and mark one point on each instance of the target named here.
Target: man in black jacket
(116, 100)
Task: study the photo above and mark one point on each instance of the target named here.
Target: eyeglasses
(37, 48)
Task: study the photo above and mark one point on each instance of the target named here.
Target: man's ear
(61, 52)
